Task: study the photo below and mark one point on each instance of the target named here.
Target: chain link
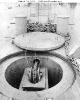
(71, 59)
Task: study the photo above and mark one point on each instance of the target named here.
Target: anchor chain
(71, 59)
(67, 41)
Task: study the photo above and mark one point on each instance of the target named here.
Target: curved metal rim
(45, 54)
(37, 49)
(32, 53)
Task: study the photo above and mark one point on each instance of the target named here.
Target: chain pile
(71, 59)
(34, 27)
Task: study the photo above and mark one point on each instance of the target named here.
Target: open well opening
(15, 70)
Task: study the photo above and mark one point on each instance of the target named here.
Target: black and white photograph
(39, 50)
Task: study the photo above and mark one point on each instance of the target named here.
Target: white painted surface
(7, 16)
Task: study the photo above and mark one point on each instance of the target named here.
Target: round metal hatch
(39, 41)
(12, 67)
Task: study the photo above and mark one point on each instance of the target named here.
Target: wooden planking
(60, 97)
(69, 95)
(78, 80)
(78, 88)
(8, 49)
(76, 54)
(75, 90)
(5, 50)
(2, 97)
(60, 51)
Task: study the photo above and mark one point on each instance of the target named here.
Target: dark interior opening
(15, 70)
(32, 89)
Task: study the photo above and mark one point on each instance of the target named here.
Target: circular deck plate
(39, 41)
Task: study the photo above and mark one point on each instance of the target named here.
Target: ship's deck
(6, 47)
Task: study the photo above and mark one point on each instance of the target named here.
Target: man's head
(36, 61)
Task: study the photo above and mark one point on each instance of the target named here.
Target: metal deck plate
(39, 41)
